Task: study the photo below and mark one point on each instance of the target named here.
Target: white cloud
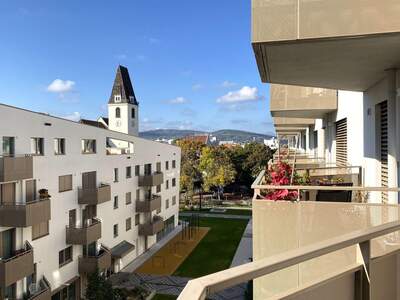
(227, 84)
(61, 86)
(197, 86)
(245, 94)
(179, 125)
(75, 116)
(178, 100)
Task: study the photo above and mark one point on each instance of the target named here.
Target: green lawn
(215, 252)
(164, 297)
(240, 212)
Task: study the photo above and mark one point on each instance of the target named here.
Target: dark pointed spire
(123, 87)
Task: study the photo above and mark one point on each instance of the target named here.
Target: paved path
(170, 285)
(141, 259)
(245, 249)
(215, 215)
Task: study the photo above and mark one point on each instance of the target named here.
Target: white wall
(23, 125)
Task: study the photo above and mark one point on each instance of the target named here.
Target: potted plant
(281, 174)
(44, 194)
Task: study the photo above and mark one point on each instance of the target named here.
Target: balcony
(151, 228)
(284, 122)
(84, 235)
(319, 251)
(16, 267)
(148, 205)
(25, 214)
(42, 291)
(13, 168)
(89, 264)
(330, 44)
(154, 179)
(94, 196)
(300, 102)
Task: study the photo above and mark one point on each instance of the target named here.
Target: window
(117, 98)
(128, 198)
(173, 164)
(128, 172)
(137, 219)
(40, 230)
(115, 202)
(128, 224)
(158, 167)
(133, 115)
(167, 184)
(167, 165)
(137, 170)
(173, 181)
(167, 204)
(88, 146)
(65, 256)
(137, 195)
(115, 174)
(8, 145)
(118, 113)
(37, 146)
(158, 188)
(64, 183)
(59, 146)
(115, 230)
(173, 200)
(147, 169)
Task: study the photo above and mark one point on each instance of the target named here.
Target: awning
(122, 249)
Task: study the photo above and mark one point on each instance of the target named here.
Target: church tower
(123, 108)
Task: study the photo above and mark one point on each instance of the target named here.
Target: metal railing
(27, 249)
(204, 286)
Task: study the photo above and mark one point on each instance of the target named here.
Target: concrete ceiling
(345, 63)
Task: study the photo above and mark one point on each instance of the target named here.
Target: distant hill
(238, 136)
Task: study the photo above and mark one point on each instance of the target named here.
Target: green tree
(249, 161)
(216, 167)
(190, 160)
(98, 288)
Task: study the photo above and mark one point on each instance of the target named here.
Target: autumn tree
(216, 168)
(190, 160)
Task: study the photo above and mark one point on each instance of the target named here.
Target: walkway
(245, 249)
(215, 215)
(141, 259)
(170, 285)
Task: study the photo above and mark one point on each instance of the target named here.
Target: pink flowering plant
(280, 174)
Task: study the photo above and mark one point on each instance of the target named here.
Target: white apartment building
(80, 196)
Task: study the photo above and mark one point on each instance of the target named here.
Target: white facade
(24, 125)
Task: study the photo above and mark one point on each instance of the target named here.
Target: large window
(173, 200)
(8, 145)
(137, 219)
(128, 172)
(64, 183)
(115, 174)
(147, 169)
(128, 224)
(167, 184)
(128, 198)
(88, 146)
(173, 181)
(167, 165)
(37, 146)
(115, 230)
(133, 114)
(173, 164)
(65, 256)
(115, 202)
(137, 170)
(59, 146)
(118, 113)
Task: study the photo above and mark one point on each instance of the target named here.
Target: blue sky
(191, 62)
